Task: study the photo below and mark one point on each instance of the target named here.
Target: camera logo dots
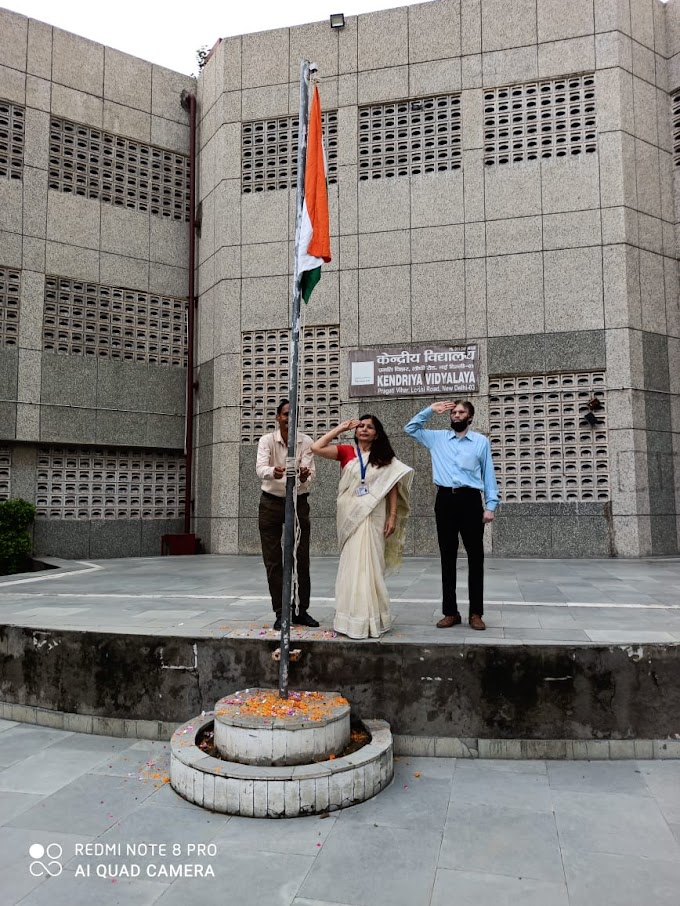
(45, 860)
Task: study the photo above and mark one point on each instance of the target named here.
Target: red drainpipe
(189, 103)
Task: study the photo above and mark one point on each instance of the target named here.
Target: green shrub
(15, 541)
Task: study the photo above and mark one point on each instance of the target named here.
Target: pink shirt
(271, 451)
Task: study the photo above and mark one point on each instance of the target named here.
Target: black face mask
(460, 426)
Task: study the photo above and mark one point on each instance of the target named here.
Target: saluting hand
(442, 407)
(349, 425)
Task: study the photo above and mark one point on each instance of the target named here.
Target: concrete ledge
(538, 749)
(461, 691)
(428, 746)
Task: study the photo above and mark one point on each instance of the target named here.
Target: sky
(169, 33)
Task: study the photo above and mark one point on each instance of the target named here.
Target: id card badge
(361, 491)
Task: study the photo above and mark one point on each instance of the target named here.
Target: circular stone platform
(256, 726)
(260, 791)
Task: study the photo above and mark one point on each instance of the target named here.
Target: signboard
(420, 370)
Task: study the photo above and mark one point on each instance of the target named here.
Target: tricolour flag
(314, 246)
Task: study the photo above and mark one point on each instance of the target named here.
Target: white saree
(362, 604)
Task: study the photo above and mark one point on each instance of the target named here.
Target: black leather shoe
(277, 624)
(304, 619)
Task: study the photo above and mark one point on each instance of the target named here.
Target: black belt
(276, 497)
(461, 490)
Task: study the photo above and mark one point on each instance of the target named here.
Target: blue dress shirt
(457, 461)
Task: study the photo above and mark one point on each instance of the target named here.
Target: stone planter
(265, 791)
(275, 741)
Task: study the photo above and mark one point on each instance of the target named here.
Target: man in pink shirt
(272, 451)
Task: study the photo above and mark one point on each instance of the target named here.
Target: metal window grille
(407, 138)
(111, 322)
(119, 171)
(541, 445)
(88, 483)
(544, 120)
(5, 473)
(12, 131)
(265, 379)
(10, 283)
(675, 113)
(269, 151)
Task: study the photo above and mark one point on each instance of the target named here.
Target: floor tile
(620, 880)
(13, 804)
(503, 841)
(466, 888)
(474, 783)
(597, 777)
(68, 889)
(244, 878)
(305, 836)
(16, 880)
(662, 779)
(92, 803)
(613, 823)
(410, 801)
(374, 866)
(17, 743)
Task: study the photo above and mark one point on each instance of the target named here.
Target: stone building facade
(499, 175)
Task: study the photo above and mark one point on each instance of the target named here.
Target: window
(12, 128)
(265, 380)
(119, 171)
(10, 284)
(5, 473)
(540, 120)
(85, 483)
(407, 138)
(541, 445)
(111, 322)
(675, 112)
(269, 151)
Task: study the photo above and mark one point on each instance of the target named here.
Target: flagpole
(289, 526)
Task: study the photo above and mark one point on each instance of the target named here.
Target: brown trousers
(270, 521)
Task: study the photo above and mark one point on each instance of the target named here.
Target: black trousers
(270, 522)
(460, 514)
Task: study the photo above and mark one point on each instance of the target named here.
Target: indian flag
(314, 244)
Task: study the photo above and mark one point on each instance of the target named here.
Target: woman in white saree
(373, 506)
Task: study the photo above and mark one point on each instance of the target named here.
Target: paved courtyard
(445, 832)
(469, 833)
(527, 601)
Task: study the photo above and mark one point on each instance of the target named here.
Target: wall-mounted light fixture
(337, 20)
(593, 405)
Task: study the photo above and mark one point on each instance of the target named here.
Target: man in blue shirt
(462, 469)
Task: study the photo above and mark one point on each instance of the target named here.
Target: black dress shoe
(277, 624)
(304, 619)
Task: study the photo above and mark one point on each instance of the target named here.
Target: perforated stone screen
(407, 138)
(111, 322)
(265, 379)
(269, 151)
(5, 473)
(541, 445)
(117, 170)
(540, 120)
(12, 129)
(675, 112)
(10, 285)
(87, 483)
